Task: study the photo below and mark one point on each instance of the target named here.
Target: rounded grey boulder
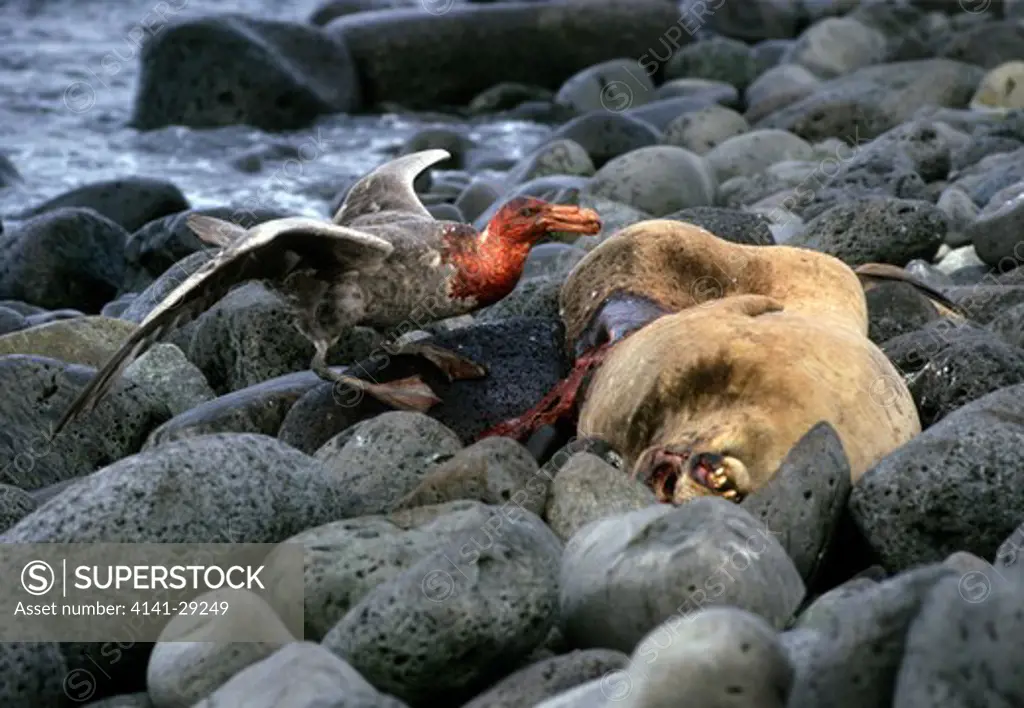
(271, 75)
(623, 575)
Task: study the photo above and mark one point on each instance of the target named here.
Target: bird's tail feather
(88, 397)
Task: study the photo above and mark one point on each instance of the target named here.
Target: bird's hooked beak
(675, 474)
(567, 218)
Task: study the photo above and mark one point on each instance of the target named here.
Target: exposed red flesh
(560, 402)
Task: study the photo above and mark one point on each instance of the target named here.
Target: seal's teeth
(718, 478)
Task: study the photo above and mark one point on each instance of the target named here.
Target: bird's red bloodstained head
(526, 220)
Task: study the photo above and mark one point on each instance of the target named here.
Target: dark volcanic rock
(989, 44)
(718, 58)
(848, 646)
(38, 390)
(269, 74)
(897, 308)
(544, 679)
(949, 366)
(443, 630)
(607, 135)
(963, 647)
(256, 409)
(129, 202)
(215, 489)
(33, 675)
(986, 178)
(730, 224)
(524, 358)
(423, 60)
(803, 502)
(872, 100)
(876, 230)
(68, 257)
(954, 487)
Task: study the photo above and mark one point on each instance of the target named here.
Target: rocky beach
(853, 169)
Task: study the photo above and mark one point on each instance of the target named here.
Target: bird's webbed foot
(454, 366)
(410, 393)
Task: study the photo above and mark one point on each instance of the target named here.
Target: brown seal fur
(740, 380)
(679, 265)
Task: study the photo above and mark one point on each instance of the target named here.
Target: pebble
(588, 489)
(15, 504)
(384, 458)
(550, 677)
(607, 135)
(754, 151)
(707, 552)
(872, 100)
(89, 341)
(777, 87)
(959, 470)
(507, 95)
(995, 231)
(345, 560)
(987, 177)
(299, 675)
(270, 74)
(849, 654)
(130, 202)
(439, 631)
(961, 647)
(837, 46)
(38, 390)
(454, 141)
(719, 656)
(658, 180)
(493, 471)
(960, 212)
(611, 85)
(951, 366)
(65, 257)
(195, 655)
(260, 408)
(701, 130)
(1002, 88)
(555, 157)
(706, 89)
(986, 44)
(33, 674)
(551, 259)
(719, 59)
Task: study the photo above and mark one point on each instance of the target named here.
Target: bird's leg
(561, 401)
(410, 393)
(454, 366)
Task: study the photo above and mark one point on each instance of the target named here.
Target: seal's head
(677, 473)
(526, 220)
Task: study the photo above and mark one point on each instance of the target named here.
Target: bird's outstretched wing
(886, 271)
(389, 188)
(268, 251)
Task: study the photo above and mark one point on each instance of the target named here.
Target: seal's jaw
(677, 474)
